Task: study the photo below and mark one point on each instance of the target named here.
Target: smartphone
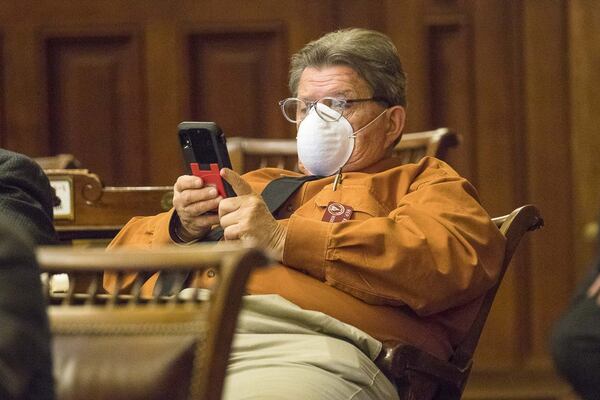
(205, 153)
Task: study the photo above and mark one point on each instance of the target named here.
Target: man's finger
(239, 185)
(185, 182)
(202, 207)
(229, 205)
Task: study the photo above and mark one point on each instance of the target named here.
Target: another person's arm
(25, 361)
(575, 339)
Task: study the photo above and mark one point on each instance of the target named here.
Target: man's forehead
(335, 81)
(342, 94)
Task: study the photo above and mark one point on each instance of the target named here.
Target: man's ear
(396, 119)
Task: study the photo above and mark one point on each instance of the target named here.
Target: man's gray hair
(371, 54)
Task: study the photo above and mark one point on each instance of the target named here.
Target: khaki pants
(281, 351)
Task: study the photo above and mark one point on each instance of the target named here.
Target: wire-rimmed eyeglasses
(295, 110)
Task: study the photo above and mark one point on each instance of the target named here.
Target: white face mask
(326, 146)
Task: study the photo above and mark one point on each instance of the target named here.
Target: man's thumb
(239, 185)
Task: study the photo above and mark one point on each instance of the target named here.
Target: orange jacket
(411, 263)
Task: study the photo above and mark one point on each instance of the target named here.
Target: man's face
(343, 82)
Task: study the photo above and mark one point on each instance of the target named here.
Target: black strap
(277, 192)
(170, 283)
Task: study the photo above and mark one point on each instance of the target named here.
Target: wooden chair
(90, 210)
(248, 154)
(415, 372)
(131, 345)
(435, 143)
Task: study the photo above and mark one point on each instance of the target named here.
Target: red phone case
(211, 176)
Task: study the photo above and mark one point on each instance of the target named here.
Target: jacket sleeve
(145, 232)
(436, 249)
(141, 233)
(154, 231)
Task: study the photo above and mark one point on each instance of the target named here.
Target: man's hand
(192, 200)
(594, 290)
(247, 217)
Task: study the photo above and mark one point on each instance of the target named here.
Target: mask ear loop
(367, 125)
(338, 178)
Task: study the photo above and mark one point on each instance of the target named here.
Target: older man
(368, 250)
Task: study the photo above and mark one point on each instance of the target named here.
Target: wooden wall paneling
(290, 24)
(166, 89)
(499, 160)
(307, 21)
(96, 102)
(367, 14)
(533, 77)
(24, 125)
(451, 86)
(236, 78)
(404, 23)
(584, 67)
(549, 164)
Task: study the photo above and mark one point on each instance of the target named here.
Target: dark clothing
(25, 221)
(25, 361)
(576, 341)
(26, 196)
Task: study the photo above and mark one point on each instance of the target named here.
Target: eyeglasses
(329, 109)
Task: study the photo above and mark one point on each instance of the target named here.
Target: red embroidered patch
(337, 212)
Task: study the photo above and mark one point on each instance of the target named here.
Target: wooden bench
(90, 210)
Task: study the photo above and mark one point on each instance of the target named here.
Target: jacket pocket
(359, 198)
